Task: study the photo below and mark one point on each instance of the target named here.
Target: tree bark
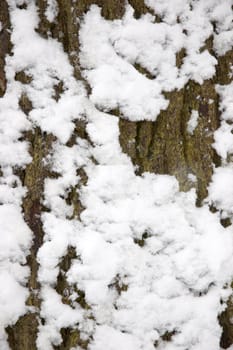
(161, 147)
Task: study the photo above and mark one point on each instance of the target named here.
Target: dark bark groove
(5, 47)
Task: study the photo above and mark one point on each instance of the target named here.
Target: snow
(110, 50)
(193, 122)
(148, 259)
(177, 263)
(14, 247)
(223, 136)
(221, 188)
(46, 71)
(226, 101)
(59, 316)
(52, 10)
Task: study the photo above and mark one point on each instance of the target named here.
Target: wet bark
(162, 147)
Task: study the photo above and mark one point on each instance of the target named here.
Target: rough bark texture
(5, 46)
(163, 147)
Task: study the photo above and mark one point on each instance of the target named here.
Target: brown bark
(5, 47)
(162, 147)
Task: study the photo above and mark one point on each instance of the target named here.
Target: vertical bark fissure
(6, 46)
(22, 336)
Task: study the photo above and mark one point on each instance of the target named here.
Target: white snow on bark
(148, 260)
(193, 122)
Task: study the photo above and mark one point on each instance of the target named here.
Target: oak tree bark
(161, 147)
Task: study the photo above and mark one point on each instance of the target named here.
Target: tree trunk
(163, 146)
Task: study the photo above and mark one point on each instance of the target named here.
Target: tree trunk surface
(160, 147)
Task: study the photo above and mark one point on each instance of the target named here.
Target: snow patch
(193, 122)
